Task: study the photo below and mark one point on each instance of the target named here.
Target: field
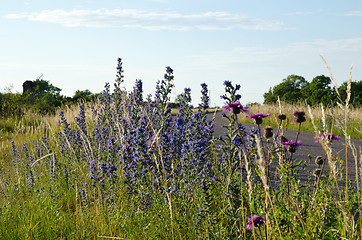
(125, 167)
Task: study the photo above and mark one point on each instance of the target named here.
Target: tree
(43, 87)
(269, 97)
(356, 92)
(288, 91)
(319, 91)
(45, 98)
(84, 95)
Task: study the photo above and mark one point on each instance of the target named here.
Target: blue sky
(75, 44)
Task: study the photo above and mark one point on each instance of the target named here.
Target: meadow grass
(125, 168)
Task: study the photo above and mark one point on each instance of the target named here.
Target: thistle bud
(282, 117)
(283, 139)
(299, 116)
(268, 132)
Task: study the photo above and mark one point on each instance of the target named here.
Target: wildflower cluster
(129, 156)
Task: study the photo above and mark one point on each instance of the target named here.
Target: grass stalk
(261, 162)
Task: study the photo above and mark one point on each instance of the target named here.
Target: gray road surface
(309, 147)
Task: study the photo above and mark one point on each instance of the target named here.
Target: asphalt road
(309, 147)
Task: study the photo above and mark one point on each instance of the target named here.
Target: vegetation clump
(125, 168)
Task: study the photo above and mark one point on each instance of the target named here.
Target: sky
(75, 44)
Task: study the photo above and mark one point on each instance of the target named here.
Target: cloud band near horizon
(131, 18)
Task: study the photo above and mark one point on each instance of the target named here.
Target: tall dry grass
(31, 124)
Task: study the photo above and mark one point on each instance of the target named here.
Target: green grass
(53, 207)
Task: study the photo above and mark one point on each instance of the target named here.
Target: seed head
(319, 160)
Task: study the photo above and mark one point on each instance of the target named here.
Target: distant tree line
(45, 98)
(40, 96)
(295, 89)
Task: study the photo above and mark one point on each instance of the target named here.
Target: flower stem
(296, 140)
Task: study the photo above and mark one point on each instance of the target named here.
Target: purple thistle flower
(299, 116)
(236, 108)
(329, 136)
(292, 145)
(332, 137)
(255, 221)
(258, 117)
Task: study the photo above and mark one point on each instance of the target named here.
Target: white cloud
(131, 18)
(354, 14)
